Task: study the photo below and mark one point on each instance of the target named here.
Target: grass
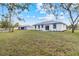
(39, 43)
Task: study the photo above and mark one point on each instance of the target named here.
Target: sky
(36, 15)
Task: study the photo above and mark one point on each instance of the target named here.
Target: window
(35, 26)
(22, 28)
(47, 27)
(42, 26)
(54, 26)
(39, 26)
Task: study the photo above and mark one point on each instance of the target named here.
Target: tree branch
(76, 18)
(71, 16)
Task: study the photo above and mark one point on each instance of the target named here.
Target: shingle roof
(49, 22)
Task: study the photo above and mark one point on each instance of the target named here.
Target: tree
(71, 9)
(14, 26)
(4, 23)
(51, 8)
(14, 9)
(73, 12)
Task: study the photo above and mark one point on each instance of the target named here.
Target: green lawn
(39, 43)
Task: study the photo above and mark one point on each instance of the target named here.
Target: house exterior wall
(37, 27)
(59, 27)
(25, 28)
(43, 29)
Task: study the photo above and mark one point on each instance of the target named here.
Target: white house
(27, 27)
(50, 26)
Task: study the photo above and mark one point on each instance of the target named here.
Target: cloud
(61, 17)
(52, 17)
(42, 11)
(39, 6)
(48, 17)
(28, 16)
(33, 16)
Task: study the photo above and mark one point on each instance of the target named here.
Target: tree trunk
(9, 21)
(73, 28)
(12, 29)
